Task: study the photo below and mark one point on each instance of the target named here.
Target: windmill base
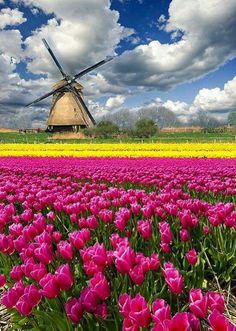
(65, 128)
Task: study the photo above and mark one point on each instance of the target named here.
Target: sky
(179, 54)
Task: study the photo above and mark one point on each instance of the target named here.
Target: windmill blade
(41, 98)
(54, 57)
(83, 104)
(85, 71)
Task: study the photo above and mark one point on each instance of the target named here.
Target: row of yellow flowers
(221, 150)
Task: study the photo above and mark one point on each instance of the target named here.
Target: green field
(44, 137)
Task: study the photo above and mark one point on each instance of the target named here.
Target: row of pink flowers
(80, 236)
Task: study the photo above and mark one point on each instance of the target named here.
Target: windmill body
(68, 111)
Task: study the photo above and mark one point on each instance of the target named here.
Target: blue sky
(180, 54)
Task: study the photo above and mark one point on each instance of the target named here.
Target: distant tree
(232, 118)
(203, 119)
(124, 118)
(145, 128)
(106, 129)
(167, 118)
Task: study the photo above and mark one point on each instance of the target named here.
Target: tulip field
(128, 244)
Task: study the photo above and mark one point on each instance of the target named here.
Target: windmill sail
(68, 111)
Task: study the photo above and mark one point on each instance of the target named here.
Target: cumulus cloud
(181, 109)
(115, 102)
(80, 33)
(217, 102)
(112, 104)
(208, 30)
(11, 17)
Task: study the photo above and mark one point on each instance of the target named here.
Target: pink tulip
(64, 277)
(74, 310)
(11, 296)
(198, 303)
(154, 263)
(216, 301)
(165, 232)
(184, 322)
(79, 238)
(44, 253)
(184, 235)
(51, 216)
(65, 249)
(99, 285)
(16, 273)
(106, 215)
(101, 310)
(161, 311)
(139, 311)
(56, 236)
(99, 255)
(219, 322)
(130, 325)
(38, 271)
(206, 230)
(144, 228)
(124, 259)
(89, 300)
(165, 248)
(124, 304)
(191, 256)
(137, 275)
(173, 279)
(50, 286)
(2, 280)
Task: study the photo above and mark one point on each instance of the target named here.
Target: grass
(44, 137)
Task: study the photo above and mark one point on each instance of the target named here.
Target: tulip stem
(62, 223)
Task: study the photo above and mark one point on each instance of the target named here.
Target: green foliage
(232, 118)
(106, 129)
(145, 128)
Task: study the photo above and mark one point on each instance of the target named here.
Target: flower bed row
(214, 150)
(123, 245)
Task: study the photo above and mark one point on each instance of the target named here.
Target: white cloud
(180, 109)
(35, 11)
(81, 34)
(11, 17)
(208, 30)
(115, 102)
(217, 102)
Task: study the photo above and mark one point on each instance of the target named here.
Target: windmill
(68, 110)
